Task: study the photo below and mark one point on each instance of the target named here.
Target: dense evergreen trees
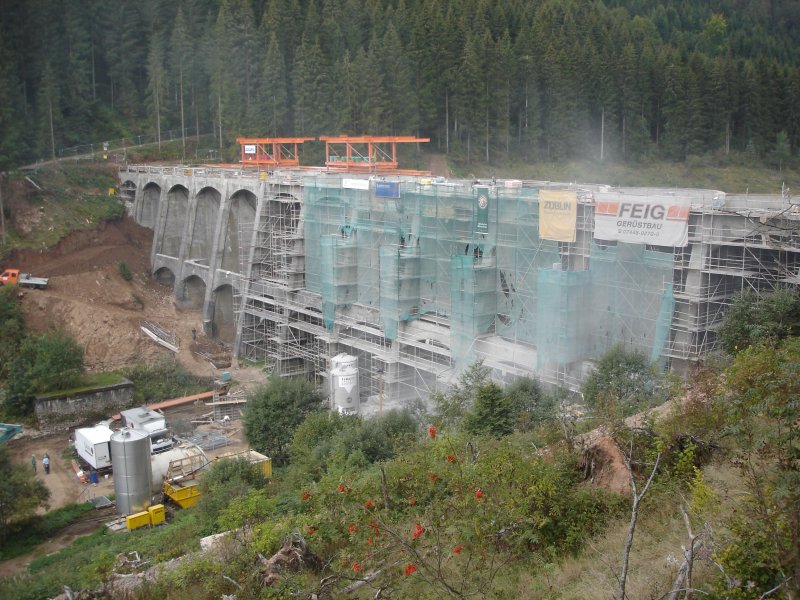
(553, 80)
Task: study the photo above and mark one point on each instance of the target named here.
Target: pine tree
(156, 81)
(402, 110)
(493, 412)
(49, 110)
(274, 93)
(374, 94)
(180, 60)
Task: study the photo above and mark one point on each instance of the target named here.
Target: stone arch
(194, 292)
(207, 204)
(127, 191)
(238, 229)
(165, 276)
(148, 211)
(177, 211)
(224, 319)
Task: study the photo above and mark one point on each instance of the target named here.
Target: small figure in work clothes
(194, 333)
(33, 462)
(46, 464)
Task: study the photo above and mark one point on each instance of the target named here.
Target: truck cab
(9, 277)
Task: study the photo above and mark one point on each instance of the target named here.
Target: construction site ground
(88, 297)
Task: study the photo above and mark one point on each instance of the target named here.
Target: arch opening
(205, 220)
(165, 276)
(177, 210)
(194, 292)
(151, 198)
(224, 320)
(238, 230)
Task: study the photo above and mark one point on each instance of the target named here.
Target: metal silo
(344, 384)
(339, 363)
(130, 459)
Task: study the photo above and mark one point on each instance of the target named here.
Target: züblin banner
(482, 209)
(558, 212)
(661, 221)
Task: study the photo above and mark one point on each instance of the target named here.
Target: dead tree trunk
(637, 499)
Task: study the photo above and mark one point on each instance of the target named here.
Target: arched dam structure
(421, 277)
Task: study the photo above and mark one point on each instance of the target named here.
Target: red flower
(340, 488)
(410, 569)
(432, 432)
(352, 528)
(306, 495)
(411, 501)
(479, 493)
(451, 458)
(368, 504)
(311, 531)
(457, 549)
(376, 531)
(369, 542)
(418, 531)
(357, 567)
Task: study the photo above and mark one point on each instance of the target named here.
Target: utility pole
(602, 132)
(2, 210)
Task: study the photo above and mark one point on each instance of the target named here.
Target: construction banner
(558, 213)
(482, 209)
(659, 221)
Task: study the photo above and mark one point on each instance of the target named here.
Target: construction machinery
(15, 277)
(8, 431)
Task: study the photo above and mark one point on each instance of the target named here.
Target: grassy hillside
(44, 205)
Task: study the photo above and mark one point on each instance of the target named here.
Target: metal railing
(127, 142)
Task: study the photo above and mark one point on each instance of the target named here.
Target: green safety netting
(420, 254)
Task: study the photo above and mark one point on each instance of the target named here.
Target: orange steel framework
(365, 153)
(271, 152)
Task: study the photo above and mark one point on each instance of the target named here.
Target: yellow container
(183, 496)
(157, 514)
(266, 467)
(141, 519)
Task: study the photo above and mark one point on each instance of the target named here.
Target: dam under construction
(419, 277)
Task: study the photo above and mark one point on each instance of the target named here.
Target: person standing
(33, 462)
(46, 464)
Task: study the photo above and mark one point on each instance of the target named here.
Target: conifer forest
(543, 80)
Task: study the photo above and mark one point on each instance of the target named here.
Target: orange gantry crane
(271, 152)
(365, 153)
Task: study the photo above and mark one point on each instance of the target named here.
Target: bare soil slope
(88, 297)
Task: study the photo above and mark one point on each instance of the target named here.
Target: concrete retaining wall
(56, 413)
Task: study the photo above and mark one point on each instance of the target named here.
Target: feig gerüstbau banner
(658, 221)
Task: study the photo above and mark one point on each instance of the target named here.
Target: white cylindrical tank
(344, 386)
(344, 360)
(189, 459)
(130, 459)
(338, 362)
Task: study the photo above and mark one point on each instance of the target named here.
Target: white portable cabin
(92, 445)
(150, 422)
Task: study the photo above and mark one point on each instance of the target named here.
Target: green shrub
(124, 271)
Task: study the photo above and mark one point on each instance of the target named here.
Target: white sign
(355, 184)
(639, 220)
(249, 148)
(348, 382)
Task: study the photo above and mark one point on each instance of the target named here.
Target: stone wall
(63, 412)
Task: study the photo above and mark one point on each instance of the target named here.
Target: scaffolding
(423, 281)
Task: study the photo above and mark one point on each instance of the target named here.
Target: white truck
(150, 422)
(92, 445)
